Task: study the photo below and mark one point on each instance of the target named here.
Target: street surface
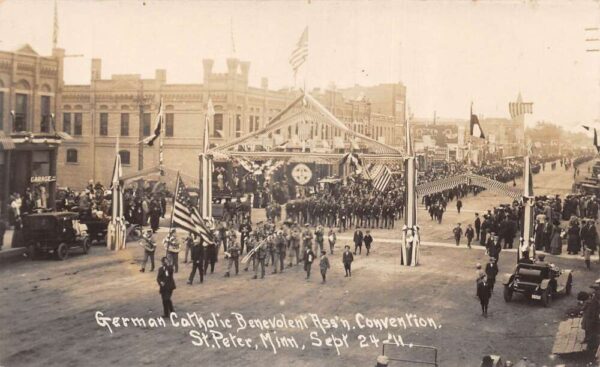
(48, 307)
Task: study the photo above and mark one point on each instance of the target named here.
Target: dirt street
(48, 307)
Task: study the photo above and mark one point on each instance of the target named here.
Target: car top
(54, 214)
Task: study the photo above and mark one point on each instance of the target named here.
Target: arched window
(72, 156)
(125, 157)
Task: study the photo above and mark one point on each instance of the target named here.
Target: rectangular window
(20, 113)
(103, 123)
(170, 124)
(256, 122)
(146, 124)
(45, 109)
(124, 124)
(218, 126)
(238, 126)
(251, 124)
(67, 123)
(71, 155)
(78, 126)
(1, 110)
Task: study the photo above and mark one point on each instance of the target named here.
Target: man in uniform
(234, 255)
(306, 238)
(296, 237)
(319, 239)
(280, 247)
(149, 249)
(245, 230)
(172, 246)
(210, 257)
(261, 255)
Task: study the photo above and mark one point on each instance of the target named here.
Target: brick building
(126, 106)
(30, 93)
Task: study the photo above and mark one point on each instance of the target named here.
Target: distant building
(126, 106)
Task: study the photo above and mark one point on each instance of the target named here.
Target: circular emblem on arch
(302, 174)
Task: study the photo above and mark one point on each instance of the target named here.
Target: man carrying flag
(186, 216)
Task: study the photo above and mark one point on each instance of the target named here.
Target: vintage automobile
(539, 281)
(54, 232)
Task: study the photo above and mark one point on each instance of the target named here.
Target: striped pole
(410, 231)
(527, 243)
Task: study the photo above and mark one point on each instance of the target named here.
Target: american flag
(520, 108)
(186, 216)
(382, 181)
(300, 53)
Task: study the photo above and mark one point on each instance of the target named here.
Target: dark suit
(347, 259)
(368, 240)
(167, 286)
(309, 257)
(197, 262)
(358, 240)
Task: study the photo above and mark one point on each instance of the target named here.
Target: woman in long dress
(573, 237)
(556, 240)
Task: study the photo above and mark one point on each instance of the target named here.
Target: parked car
(539, 281)
(54, 233)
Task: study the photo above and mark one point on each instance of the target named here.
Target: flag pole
(160, 141)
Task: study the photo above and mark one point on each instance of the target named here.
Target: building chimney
(161, 75)
(208, 65)
(232, 66)
(96, 69)
(245, 67)
(264, 83)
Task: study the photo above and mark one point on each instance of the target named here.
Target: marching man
(149, 246)
(172, 246)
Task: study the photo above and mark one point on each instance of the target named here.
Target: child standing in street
(324, 265)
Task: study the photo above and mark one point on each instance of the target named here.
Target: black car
(540, 281)
(54, 233)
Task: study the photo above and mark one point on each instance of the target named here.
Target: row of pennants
(437, 186)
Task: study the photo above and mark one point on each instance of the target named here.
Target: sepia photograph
(303, 183)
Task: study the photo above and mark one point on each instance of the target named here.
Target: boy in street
(347, 259)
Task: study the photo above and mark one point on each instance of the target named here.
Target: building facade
(121, 110)
(30, 95)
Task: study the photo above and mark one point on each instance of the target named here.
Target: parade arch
(437, 186)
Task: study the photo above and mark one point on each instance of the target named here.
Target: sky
(447, 53)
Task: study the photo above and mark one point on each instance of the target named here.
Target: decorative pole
(410, 231)
(527, 237)
(207, 166)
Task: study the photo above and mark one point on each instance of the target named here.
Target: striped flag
(595, 137)
(186, 216)
(353, 160)
(300, 53)
(383, 180)
(520, 108)
(158, 128)
(476, 130)
(376, 171)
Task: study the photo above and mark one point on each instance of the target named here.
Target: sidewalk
(7, 253)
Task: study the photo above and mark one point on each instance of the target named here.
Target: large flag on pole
(476, 130)
(158, 127)
(300, 52)
(520, 108)
(186, 216)
(595, 137)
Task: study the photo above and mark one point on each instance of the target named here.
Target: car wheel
(508, 293)
(546, 297)
(569, 285)
(85, 245)
(32, 251)
(62, 251)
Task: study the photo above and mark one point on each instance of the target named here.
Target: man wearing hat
(166, 285)
(233, 254)
(149, 247)
(458, 232)
(280, 247)
(347, 259)
(358, 240)
(477, 225)
(483, 291)
(306, 238)
(172, 246)
(197, 251)
(491, 270)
